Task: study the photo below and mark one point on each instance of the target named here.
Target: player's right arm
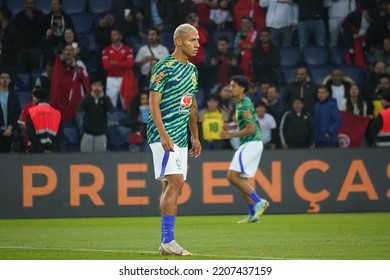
(154, 107)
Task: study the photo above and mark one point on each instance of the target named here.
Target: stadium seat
(24, 97)
(35, 74)
(71, 140)
(78, 121)
(99, 6)
(116, 117)
(289, 74)
(21, 80)
(354, 72)
(319, 73)
(337, 56)
(75, 6)
(117, 138)
(134, 43)
(228, 33)
(289, 57)
(43, 5)
(15, 6)
(315, 56)
(82, 22)
(166, 39)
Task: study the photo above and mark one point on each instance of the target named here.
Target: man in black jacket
(10, 110)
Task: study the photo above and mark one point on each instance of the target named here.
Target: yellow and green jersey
(245, 113)
(178, 84)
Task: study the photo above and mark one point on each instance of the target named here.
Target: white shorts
(247, 158)
(167, 163)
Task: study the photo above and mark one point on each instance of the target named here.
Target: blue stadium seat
(134, 43)
(337, 56)
(35, 74)
(289, 74)
(116, 117)
(83, 41)
(117, 138)
(71, 139)
(15, 6)
(43, 5)
(228, 33)
(99, 6)
(75, 6)
(24, 97)
(319, 73)
(166, 39)
(354, 72)
(289, 57)
(315, 56)
(82, 22)
(21, 80)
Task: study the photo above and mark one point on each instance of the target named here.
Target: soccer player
(247, 157)
(173, 106)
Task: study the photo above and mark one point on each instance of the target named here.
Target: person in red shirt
(118, 61)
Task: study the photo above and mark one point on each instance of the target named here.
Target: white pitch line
(137, 252)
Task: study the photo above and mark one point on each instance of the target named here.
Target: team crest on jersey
(247, 114)
(185, 104)
(169, 63)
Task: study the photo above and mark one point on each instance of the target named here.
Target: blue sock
(251, 209)
(255, 197)
(167, 226)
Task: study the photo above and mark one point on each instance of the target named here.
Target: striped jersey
(177, 83)
(245, 113)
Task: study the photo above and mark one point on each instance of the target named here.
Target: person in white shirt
(338, 10)
(282, 19)
(267, 125)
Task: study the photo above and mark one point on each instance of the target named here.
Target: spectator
(267, 125)
(380, 127)
(251, 9)
(223, 65)
(22, 124)
(244, 41)
(43, 124)
(281, 19)
(354, 103)
(69, 83)
(254, 94)
(338, 10)
(152, 51)
(226, 101)
(265, 58)
(310, 22)
(200, 58)
(355, 28)
(376, 99)
(95, 106)
(380, 26)
(338, 86)
(327, 119)
(302, 87)
(56, 22)
(118, 61)
(221, 16)
(127, 17)
(211, 120)
(382, 55)
(10, 43)
(44, 80)
(159, 14)
(203, 9)
(29, 22)
(137, 118)
(370, 85)
(296, 127)
(275, 106)
(9, 111)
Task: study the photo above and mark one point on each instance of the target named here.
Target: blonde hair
(185, 28)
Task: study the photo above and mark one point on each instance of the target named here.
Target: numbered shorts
(247, 158)
(167, 163)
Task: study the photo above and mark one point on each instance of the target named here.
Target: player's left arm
(193, 124)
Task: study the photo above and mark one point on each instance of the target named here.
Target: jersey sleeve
(159, 78)
(245, 112)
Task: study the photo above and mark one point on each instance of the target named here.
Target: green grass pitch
(355, 236)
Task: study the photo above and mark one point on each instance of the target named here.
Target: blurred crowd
(312, 64)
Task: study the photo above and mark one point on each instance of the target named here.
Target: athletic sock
(167, 226)
(255, 197)
(251, 209)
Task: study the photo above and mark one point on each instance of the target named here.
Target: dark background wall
(122, 184)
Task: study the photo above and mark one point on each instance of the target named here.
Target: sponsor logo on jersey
(185, 104)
